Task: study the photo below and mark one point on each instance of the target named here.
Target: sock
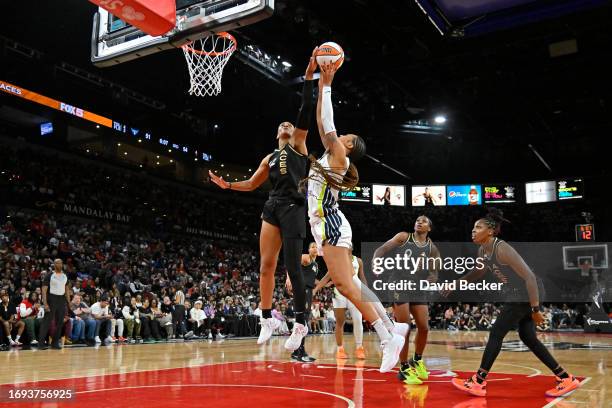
(17, 338)
(266, 313)
(381, 330)
(560, 372)
(382, 313)
(299, 318)
(417, 357)
(481, 375)
(404, 365)
(10, 339)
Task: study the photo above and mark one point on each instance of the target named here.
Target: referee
(55, 297)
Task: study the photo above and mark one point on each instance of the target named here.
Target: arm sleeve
(305, 112)
(327, 111)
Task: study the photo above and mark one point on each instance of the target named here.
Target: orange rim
(215, 53)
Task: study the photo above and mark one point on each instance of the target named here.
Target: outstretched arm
(325, 117)
(321, 283)
(256, 180)
(303, 120)
(398, 240)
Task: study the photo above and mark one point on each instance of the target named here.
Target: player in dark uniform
(310, 271)
(284, 214)
(508, 266)
(415, 245)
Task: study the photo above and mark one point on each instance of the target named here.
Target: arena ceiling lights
(460, 18)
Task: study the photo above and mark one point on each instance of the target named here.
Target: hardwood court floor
(232, 373)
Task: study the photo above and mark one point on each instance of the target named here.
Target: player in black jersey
(418, 244)
(504, 262)
(284, 214)
(310, 270)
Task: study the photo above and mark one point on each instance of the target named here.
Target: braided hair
(494, 220)
(334, 180)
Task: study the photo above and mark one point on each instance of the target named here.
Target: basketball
(330, 52)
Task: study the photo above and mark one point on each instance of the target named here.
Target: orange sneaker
(341, 354)
(564, 386)
(471, 386)
(360, 353)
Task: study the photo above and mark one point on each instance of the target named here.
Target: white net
(206, 59)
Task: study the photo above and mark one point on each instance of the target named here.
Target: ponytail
(332, 179)
(494, 219)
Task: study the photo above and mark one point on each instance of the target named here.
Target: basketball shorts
(339, 300)
(333, 229)
(288, 216)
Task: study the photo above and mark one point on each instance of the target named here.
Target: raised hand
(328, 70)
(218, 180)
(312, 65)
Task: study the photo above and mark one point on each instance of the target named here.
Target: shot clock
(585, 232)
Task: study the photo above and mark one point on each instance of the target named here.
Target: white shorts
(334, 228)
(341, 302)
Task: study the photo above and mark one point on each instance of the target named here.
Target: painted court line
(535, 370)
(349, 403)
(135, 371)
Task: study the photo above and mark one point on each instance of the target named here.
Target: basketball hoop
(206, 59)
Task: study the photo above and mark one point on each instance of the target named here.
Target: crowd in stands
(147, 280)
(482, 316)
(129, 285)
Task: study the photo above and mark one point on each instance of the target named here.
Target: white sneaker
(108, 340)
(267, 329)
(391, 350)
(34, 343)
(18, 343)
(221, 336)
(295, 340)
(97, 340)
(401, 329)
(12, 342)
(210, 335)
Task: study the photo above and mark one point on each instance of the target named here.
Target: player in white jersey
(341, 303)
(331, 229)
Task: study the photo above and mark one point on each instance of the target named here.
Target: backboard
(595, 255)
(114, 41)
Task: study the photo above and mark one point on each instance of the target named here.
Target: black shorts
(286, 215)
